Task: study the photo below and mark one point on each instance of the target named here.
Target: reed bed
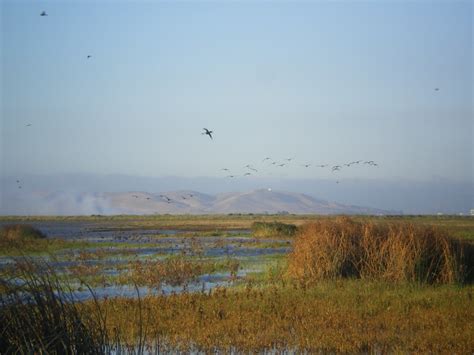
(387, 251)
(347, 316)
(38, 315)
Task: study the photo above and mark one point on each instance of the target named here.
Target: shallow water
(160, 244)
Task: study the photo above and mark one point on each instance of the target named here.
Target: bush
(273, 229)
(17, 232)
(395, 252)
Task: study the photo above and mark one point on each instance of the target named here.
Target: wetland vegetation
(339, 284)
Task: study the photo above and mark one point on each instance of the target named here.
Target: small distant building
(471, 212)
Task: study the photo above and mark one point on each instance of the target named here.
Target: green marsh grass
(273, 230)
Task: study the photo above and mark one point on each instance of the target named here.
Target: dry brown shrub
(395, 252)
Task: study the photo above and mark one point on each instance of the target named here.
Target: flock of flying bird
(287, 161)
(166, 198)
(250, 169)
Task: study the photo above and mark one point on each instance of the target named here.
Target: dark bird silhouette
(306, 165)
(247, 174)
(281, 165)
(225, 169)
(267, 158)
(231, 176)
(184, 198)
(89, 56)
(19, 187)
(289, 159)
(166, 197)
(322, 165)
(274, 163)
(208, 132)
(336, 168)
(18, 181)
(148, 198)
(28, 125)
(191, 195)
(436, 89)
(44, 13)
(135, 196)
(248, 166)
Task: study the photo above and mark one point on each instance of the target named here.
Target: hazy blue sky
(322, 81)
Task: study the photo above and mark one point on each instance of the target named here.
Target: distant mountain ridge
(188, 202)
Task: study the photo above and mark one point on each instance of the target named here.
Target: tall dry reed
(38, 315)
(395, 252)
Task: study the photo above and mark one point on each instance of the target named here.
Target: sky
(323, 82)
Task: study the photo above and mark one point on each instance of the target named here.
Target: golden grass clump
(394, 252)
(174, 271)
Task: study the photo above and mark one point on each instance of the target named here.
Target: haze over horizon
(77, 192)
(322, 82)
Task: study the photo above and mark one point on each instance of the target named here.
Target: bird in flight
(135, 196)
(247, 174)
(225, 169)
(191, 195)
(436, 89)
(28, 125)
(306, 165)
(208, 132)
(336, 168)
(248, 166)
(289, 159)
(231, 176)
(166, 197)
(322, 165)
(89, 56)
(148, 198)
(44, 13)
(281, 165)
(267, 158)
